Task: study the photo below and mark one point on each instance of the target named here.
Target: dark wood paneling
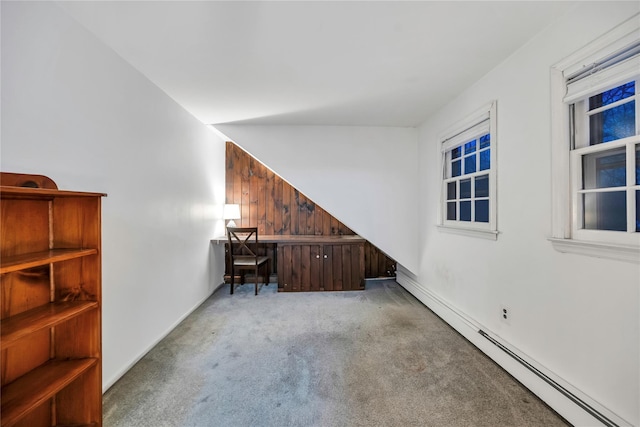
(275, 207)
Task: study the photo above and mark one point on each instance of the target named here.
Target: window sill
(482, 234)
(618, 252)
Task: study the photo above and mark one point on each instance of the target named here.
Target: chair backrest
(243, 241)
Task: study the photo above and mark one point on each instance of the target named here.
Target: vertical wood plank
(336, 261)
(229, 179)
(286, 209)
(280, 267)
(296, 279)
(367, 259)
(287, 267)
(318, 215)
(374, 263)
(246, 201)
(237, 179)
(326, 223)
(327, 268)
(253, 192)
(347, 283)
(335, 226)
(305, 267)
(269, 202)
(294, 210)
(278, 208)
(260, 173)
(311, 227)
(316, 268)
(302, 213)
(358, 265)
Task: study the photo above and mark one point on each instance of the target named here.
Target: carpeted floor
(367, 358)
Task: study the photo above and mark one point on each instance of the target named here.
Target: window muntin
(468, 201)
(611, 61)
(467, 180)
(605, 163)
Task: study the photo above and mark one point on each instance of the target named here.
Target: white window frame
(481, 122)
(567, 234)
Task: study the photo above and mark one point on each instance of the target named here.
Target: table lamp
(231, 212)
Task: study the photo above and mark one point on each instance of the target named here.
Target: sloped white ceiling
(314, 63)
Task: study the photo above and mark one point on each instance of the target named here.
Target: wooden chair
(243, 254)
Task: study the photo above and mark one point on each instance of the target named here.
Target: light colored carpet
(366, 358)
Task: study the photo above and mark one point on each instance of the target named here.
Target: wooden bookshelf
(50, 304)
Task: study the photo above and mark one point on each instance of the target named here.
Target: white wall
(75, 111)
(577, 317)
(364, 176)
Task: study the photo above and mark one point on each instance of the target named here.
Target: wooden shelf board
(36, 259)
(28, 322)
(42, 193)
(31, 390)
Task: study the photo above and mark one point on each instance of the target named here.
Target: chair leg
(233, 275)
(256, 280)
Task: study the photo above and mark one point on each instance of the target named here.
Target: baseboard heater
(575, 399)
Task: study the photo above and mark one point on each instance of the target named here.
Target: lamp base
(231, 223)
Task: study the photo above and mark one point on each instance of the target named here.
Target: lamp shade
(231, 211)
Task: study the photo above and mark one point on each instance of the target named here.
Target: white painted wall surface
(364, 176)
(75, 111)
(576, 316)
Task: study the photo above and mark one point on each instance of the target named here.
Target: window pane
(637, 164)
(615, 123)
(485, 141)
(485, 159)
(465, 189)
(604, 169)
(612, 95)
(470, 164)
(637, 210)
(456, 168)
(470, 147)
(456, 152)
(482, 211)
(451, 190)
(465, 211)
(451, 210)
(605, 211)
(482, 186)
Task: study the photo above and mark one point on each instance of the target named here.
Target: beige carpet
(365, 358)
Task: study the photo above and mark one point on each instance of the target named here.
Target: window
(468, 185)
(596, 147)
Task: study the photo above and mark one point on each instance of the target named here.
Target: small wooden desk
(315, 263)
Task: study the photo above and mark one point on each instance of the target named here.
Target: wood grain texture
(42, 317)
(50, 307)
(28, 181)
(275, 207)
(34, 388)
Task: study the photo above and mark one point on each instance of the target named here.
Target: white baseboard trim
(107, 385)
(469, 329)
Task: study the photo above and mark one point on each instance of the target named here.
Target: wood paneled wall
(275, 207)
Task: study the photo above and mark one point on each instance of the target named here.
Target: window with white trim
(598, 125)
(469, 178)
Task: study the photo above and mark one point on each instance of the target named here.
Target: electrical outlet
(505, 314)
